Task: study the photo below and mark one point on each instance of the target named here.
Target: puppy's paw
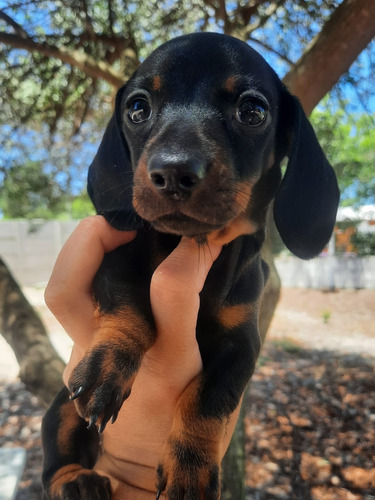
(101, 382)
(188, 472)
(72, 482)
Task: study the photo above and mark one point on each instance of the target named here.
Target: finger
(175, 289)
(68, 293)
(183, 271)
(75, 357)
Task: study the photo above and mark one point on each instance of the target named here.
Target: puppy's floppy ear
(110, 177)
(306, 202)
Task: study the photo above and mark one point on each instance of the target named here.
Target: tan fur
(230, 84)
(233, 316)
(156, 83)
(69, 421)
(65, 475)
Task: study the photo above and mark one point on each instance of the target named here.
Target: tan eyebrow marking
(230, 83)
(156, 83)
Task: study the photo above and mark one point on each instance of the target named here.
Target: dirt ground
(310, 420)
(310, 409)
(342, 321)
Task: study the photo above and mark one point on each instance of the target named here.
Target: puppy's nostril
(158, 180)
(176, 175)
(173, 180)
(188, 181)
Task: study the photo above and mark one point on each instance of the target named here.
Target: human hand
(131, 446)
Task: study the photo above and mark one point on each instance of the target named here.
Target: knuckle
(59, 300)
(92, 224)
(53, 297)
(167, 284)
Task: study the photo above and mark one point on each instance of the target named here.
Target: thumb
(175, 289)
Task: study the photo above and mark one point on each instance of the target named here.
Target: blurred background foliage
(62, 61)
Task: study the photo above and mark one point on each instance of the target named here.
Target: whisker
(209, 249)
(127, 184)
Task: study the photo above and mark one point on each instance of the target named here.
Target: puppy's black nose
(176, 175)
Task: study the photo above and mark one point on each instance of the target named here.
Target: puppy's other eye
(252, 111)
(139, 110)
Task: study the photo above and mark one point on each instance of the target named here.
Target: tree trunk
(41, 367)
(271, 293)
(349, 30)
(234, 462)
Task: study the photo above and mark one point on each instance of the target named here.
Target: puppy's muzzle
(176, 175)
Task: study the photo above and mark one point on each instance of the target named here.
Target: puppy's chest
(125, 275)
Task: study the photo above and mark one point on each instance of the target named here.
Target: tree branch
(17, 28)
(349, 30)
(88, 21)
(271, 49)
(93, 68)
(264, 18)
(223, 14)
(111, 16)
(80, 118)
(41, 367)
(247, 11)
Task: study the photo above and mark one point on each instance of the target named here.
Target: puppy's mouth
(195, 210)
(184, 225)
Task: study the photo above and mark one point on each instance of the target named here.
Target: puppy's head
(195, 146)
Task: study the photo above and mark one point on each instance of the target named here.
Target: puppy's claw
(102, 426)
(114, 417)
(92, 421)
(158, 493)
(76, 393)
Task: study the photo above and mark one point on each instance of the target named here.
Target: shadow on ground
(310, 427)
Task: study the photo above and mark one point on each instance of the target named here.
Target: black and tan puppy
(193, 148)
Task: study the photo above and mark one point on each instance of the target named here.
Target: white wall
(30, 249)
(327, 272)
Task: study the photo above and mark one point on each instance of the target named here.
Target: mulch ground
(20, 423)
(310, 427)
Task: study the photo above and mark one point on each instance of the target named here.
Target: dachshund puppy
(194, 148)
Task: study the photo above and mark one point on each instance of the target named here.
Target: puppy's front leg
(190, 466)
(103, 379)
(70, 452)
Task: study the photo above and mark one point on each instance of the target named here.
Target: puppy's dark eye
(139, 110)
(252, 111)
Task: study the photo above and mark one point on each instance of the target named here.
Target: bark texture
(86, 63)
(233, 464)
(41, 367)
(350, 29)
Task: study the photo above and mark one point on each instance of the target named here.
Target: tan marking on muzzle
(239, 226)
